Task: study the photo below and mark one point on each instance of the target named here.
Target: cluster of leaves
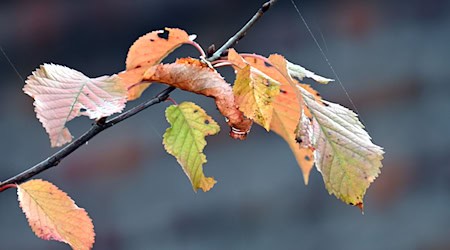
(266, 91)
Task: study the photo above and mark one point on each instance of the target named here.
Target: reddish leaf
(194, 76)
(53, 215)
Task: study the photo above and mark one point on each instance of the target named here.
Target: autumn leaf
(345, 155)
(236, 59)
(53, 215)
(286, 109)
(254, 94)
(61, 94)
(185, 140)
(286, 114)
(151, 48)
(254, 90)
(148, 51)
(304, 132)
(132, 80)
(194, 76)
(357, 164)
(300, 73)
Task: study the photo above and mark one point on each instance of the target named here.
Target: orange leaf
(237, 59)
(194, 76)
(148, 51)
(286, 110)
(53, 215)
(130, 78)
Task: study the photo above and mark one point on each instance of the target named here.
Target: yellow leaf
(185, 140)
(53, 215)
(207, 183)
(254, 94)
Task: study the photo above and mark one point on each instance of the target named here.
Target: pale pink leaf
(61, 94)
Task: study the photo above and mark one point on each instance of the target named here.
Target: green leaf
(185, 140)
(344, 154)
(255, 92)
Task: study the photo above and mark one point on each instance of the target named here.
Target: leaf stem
(199, 48)
(105, 123)
(172, 100)
(7, 186)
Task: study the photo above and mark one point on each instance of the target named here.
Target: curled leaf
(61, 94)
(192, 75)
(300, 72)
(185, 140)
(304, 133)
(132, 79)
(53, 215)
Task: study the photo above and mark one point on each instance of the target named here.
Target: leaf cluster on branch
(266, 91)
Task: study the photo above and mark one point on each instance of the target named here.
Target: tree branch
(243, 31)
(105, 123)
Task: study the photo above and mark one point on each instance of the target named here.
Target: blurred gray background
(392, 56)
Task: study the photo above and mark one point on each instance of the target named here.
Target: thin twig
(98, 127)
(105, 123)
(241, 33)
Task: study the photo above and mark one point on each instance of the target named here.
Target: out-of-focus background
(392, 57)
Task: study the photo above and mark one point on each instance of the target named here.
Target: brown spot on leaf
(268, 64)
(307, 158)
(164, 35)
(206, 121)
